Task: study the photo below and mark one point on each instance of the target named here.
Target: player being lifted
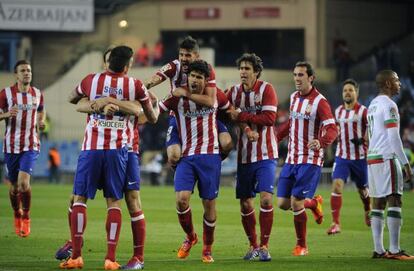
(177, 72)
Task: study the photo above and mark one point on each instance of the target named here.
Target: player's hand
(314, 145)
(181, 92)
(252, 135)
(408, 172)
(154, 99)
(13, 111)
(233, 113)
(99, 104)
(42, 125)
(110, 109)
(357, 141)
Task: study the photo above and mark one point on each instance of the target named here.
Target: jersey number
(370, 126)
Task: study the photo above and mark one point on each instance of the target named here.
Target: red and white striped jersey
(261, 99)
(21, 133)
(133, 134)
(109, 132)
(197, 124)
(178, 78)
(308, 116)
(352, 125)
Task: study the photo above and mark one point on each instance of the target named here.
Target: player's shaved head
(382, 78)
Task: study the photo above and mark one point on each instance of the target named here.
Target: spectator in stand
(342, 59)
(158, 53)
(142, 56)
(54, 165)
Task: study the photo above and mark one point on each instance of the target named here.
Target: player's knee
(337, 186)
(133, 201)
(283, 204)
(226, 142)
(174, 154)
(182, 204)
(246, 205)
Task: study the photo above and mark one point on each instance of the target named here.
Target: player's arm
(250, 134)
(207, 99)
(391, 123)
(282, 130)
(154, 81)
(6, 113)
(128, 107)
(74, 96)
(154, 100)
(265, 117)
(329, 131)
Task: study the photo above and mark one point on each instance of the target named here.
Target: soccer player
(132, 189)
(311, 128)
(256, 103)
(177, 72)
(104, 150)
(22, 108)
(200, 158)
(351, 152)
(385, 176)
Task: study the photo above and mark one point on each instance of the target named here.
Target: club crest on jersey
(256, 98)
(308, 109)
(34, 101)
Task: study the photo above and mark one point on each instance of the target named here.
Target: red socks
(113, 228)
(138, 234)
(186, 223)
(336, 204)
(77, 228)
(208, 234)
(15, 203)
(300, 218)
(249, 225)
(266, 222)
(26, 198)
(367, 203)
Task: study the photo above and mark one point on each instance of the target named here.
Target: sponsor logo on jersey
(165, 68)
(112, 124)
(201, 112)
(112, 91)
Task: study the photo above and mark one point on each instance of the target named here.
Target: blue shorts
(221, 128)
(255, 177)
(205, 168)
(98, 169)
(358, 169)
(16, 162)
(299, 181)
(172, 133)
(133, 178)
(173, 136)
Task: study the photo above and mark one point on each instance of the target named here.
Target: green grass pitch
(350, 250)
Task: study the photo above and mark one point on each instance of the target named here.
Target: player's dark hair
(199, 66)
(190, 44)
(255, 60)
(119, 58)
(351, 82)
(20, 62)
(107, 51)
(309, 68)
